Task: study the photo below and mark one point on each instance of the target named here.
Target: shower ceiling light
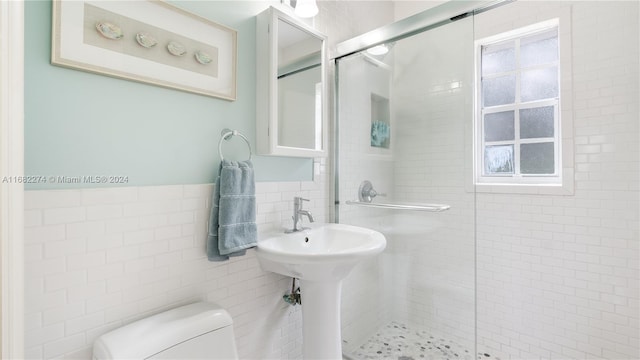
(306, 8)
(378, 50)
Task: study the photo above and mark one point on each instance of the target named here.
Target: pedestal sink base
(321, 320)
(320, 257)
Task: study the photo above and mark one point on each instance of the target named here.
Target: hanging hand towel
(232, 224)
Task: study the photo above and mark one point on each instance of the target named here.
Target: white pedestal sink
(320, 257)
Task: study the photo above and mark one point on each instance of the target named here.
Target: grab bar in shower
(416, 207)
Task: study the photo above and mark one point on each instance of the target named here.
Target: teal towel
(232, 224)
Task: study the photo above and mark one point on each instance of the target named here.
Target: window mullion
(543, 66)
(537, 140)
(499, 74)
(516, 145)
(501, 142)
(557, 138)
(482, 148)
(538, 103)
(499, 108)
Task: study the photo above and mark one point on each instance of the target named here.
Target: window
(518, 117)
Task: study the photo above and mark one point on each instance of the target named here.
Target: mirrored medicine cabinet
(291, 87)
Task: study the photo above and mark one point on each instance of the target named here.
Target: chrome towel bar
(416, 207)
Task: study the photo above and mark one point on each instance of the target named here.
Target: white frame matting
(77, 44)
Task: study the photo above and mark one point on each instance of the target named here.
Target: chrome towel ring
(226, 135)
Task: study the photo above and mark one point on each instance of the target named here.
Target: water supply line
(294, 297)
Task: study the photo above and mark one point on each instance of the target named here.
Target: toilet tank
(197, 331)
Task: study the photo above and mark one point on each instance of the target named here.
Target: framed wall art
(148, 41)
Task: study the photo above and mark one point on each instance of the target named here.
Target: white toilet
(197, 331)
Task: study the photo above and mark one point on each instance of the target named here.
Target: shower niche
(380, 122)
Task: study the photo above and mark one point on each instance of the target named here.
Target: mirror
(291, 105)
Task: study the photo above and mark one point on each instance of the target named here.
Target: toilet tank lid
(151, 335)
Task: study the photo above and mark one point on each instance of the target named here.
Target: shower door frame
(431, 18)
(438, 16)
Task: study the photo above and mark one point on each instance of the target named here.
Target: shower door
(404, 123)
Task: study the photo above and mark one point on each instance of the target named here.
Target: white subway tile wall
(97, 259)
(425, 277)
(367, 295)
(558, 276)
(432, 121)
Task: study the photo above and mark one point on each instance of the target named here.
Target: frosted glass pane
(498, 91)
(536, 122)
(539, 84)
(539, 49)
(498, 159)
(498, 58)
(499, 126)
(537, 158)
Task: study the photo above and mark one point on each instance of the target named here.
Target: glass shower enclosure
(404, 111)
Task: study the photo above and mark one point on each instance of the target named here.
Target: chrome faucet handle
(372, 193)
(298, 201)
(366, 193)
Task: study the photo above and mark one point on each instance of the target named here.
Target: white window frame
(516, 178)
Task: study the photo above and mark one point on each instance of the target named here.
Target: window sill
(565, 189)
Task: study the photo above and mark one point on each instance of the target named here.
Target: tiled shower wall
(558, 276)
(97, 259)
(425, 276)
(432, 92)
(366, 295)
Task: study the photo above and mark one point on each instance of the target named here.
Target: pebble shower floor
(398, 341)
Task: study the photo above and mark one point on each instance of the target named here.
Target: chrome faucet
(297, 212)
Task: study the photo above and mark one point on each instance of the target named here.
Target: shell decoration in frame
(202, 57)
(145, 40)
(109, 30)
(177, 49)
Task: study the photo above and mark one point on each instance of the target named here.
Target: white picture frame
(77, 43)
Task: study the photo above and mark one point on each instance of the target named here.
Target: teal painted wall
(78, 123)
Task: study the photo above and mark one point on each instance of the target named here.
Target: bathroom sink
(323, 252)
(320, 257)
